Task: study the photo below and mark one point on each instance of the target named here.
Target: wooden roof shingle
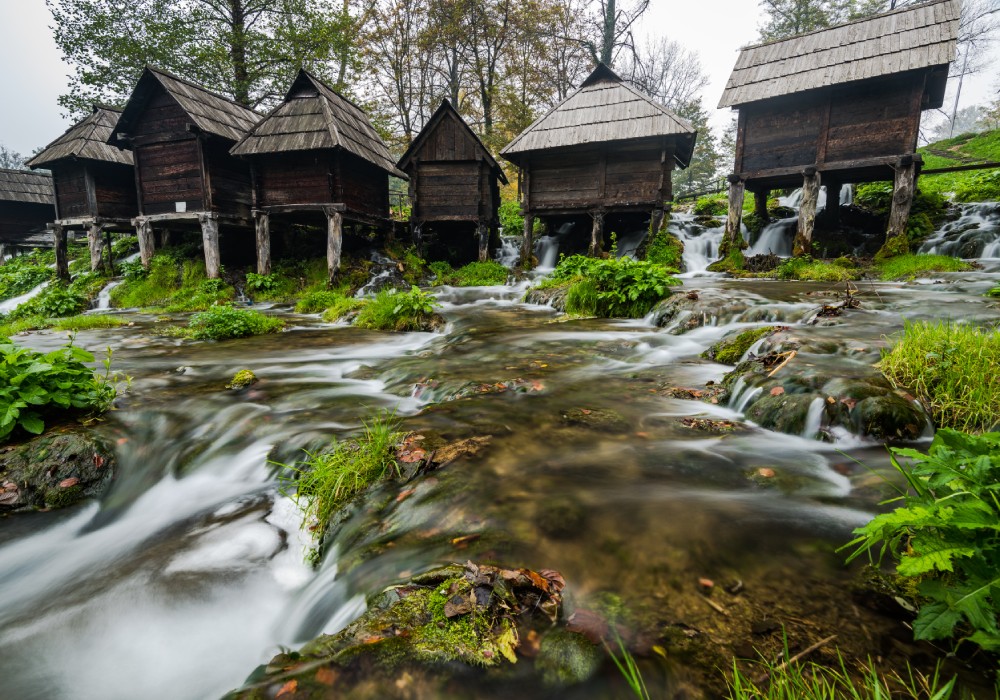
(86, 139)
(26, 187)
(603, 110)
(445, 111)
(210, 112)
(910, 38)
(314, 116)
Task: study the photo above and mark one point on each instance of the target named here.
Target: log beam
(263, 229)
(596, 234)
(144, 231)
(807, 213)
(903, 189)
(760, 205)
(527, 244)
(210, 242)
(94, 242)
(483, 235)
(62, 256)
(732, 239)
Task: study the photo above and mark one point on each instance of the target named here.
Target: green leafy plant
(36, 388)
(19, 276)
(994, 292)
(399, 311)
(262, 283)
(52, 302)
(944, 536)
(131, 270)
(342, 307)
(124, 245)
(475, 274)
(612, 287)
(317, 301)
(223, 322)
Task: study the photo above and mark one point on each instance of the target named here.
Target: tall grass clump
(393, 310)
(905, 267)
(325, 481)
(611, 287)
(224, 322)
(952, 369)
(475, 274)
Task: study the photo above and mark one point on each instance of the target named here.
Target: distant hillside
(964, 149)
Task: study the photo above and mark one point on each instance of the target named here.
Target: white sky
(32, 74)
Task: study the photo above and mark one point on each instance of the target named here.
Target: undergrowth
(611, 287)
(475, 274)
(393, 310)
(224, 322)
(952, 369)
(904, 267)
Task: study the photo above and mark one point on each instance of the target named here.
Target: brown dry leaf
(531, 643)
(458, 605)
(642, 434)
(121, 441)
(777, 391)
(464, 540)
(590, 624)
(706, 583)
(288, 688)
(766, 472)
(586, 411)
(66, 483)
(403, 495)
(539, 581)
(9, 498)
(98, 460)
(555, 579)
(849, 402)
(326, 676)
(411, 456)
(374, 639)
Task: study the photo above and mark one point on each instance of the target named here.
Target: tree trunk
(144, 231)
(760, 205)
(807, 213)
(3, 254)
(238, 52)
(263, 244)
(334, 242)
(94, 241)
(210, 239)
(608, 40)
(111, 254)
(833, 202)
(902, 200)
(62, 258)
(732, 239)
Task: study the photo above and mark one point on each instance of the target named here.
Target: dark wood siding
(870, 120)
(361, 186)
(782, 134)
(293, 178)
(17, 219)
(229, 178)
(115, 190)
(568, 180)
(449, 141)
(449, 191)
(162, 117)
(170, 172)
(70, 180)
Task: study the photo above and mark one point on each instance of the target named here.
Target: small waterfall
(11, 304)
(547, 247)
(777, 237)
(814, 418)
(742, 395)
(628, 243)
(385, 268)
(104, 298)
(701, 245)
(510, 251)
(975, 234)
(794, 199)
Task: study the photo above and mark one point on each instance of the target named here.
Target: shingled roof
(918, 36)
(314, 116)
(212, 113)
(443, 112)
(603, 110)
(86, 139)
(26, 187)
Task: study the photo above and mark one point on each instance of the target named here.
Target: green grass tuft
(951, 368)
(475, 274)
(316, 301)
(913, 265)
(807, 269)
(342, 307)
(392, 310)
(85, 322)
(224, 322)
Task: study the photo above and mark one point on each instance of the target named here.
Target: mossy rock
(893, 246)
(241, 380)
(730, 349)
(785, 413)
(680, 313)
(554, 296)
(602, 419)
(566, 658)
(55, 470)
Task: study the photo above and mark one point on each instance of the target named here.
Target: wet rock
(566, 658)
(733, 346)
(602, 419)
(447, 618)
(55, 470)
(549, 296)
(681, 313)
(785, 413)
(241, 380)
(562, 518)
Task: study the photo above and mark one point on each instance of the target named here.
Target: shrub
(223, 322)
(18, 277)
(807, 269)
(951, 368)
(131, 270)
(262, 283)
(511, 221)
(52, 302)
(876, 197)
(910, 266)
(982, 187)
(475, 274)
(944, 536)
(36, 387)
(392, 310)
(625, 288)
(124, 245)
(317, 301)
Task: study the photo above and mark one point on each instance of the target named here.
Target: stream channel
(189, 572)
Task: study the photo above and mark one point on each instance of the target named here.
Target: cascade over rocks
(55, 470)
(680, 312)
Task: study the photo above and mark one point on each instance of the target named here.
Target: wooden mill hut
(180, 134)
(26, 208)
(607, 148)
(838, 105)
(317, 154)
(94, 182)
(453, 179)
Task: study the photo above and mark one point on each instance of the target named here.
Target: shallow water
(189, 572)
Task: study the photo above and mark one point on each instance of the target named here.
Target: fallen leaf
(67, 483)
(98, 460)
(411, 456)
(288, 688)
(555, 579)
(586, 411)
(326, 676)
(589, 624)
(464, 540)
(777, 391)
(403, 495)
(706, 583)
(458, 605)
(642, 434)
(9, 498)
(766, 472)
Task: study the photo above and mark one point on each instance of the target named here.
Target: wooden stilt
(732, 239)
(902, 199)
(483, 236)
(527, 244)
(334, 241)
(164, 237)
(144, 231)
(210, 242)
(833, 202)
(111, 253)
(596, 235)
(62, 257)
(760, 205)
(3, 253)
(95, 241)
(263, 243)
(807, 213)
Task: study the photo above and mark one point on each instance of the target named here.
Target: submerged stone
(567, 658)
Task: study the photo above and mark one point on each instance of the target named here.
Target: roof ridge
(860, 20)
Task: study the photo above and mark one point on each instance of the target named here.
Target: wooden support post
(760, 205)
(807, 213)
(899, 215)
(94, 241)
(164, 237)
(483, 234)
(334, 240)
(833, 202)
(3, 253)
(144, 231)
(596, 234)
(732, 239)
(62, 258)
(111, 253)
(527, 244)
(263, 242)
(210, 242)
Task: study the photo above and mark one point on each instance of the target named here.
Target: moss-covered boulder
(55, 470)
(446, 619)
(681, 313)
(730, 349)
(243, 379)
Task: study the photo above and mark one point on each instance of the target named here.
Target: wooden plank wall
(449, 191)
(169, 172)
(872, 120)
(363, 187)
(71, 189)
(293, 178)
(17, 219)
(449, 141)
(229, 178)
(115, 189)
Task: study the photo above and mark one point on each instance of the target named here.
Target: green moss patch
(172, 282)
(909, 266)
(666, 249)
(730, 349)
(807, 269)
(475, 274)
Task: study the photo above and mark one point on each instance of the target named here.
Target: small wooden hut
(180, 134)
(607, 148)
(838, 105)
(453, 178)
(26, 208)
(317, 153)
(94, 182)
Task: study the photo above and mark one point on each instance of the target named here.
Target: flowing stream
(189, 571)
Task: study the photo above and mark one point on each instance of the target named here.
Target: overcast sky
(32, 74)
